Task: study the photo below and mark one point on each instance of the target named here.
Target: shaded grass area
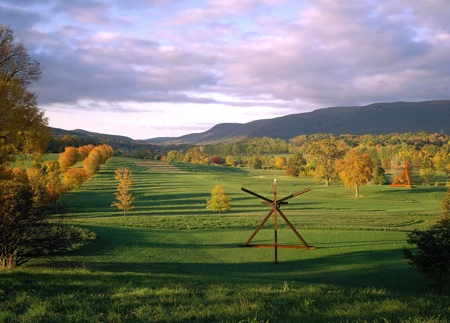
(143, 275)
(87, 296)
(346, 258)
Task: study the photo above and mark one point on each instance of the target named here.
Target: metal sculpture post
(275, 210)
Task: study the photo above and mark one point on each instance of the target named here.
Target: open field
(172, 260)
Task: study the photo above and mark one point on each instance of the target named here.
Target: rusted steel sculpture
(403, 179)
(275, 210)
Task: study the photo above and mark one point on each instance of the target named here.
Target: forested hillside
(377, 118)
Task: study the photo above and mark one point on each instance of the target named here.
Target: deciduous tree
(255, 162)
(53, 185)
(295, 164)
(75, 177)
(219, 201)
(194, 155)
(326, 152)
(230, 160)
(175, 155)
(68, 158)
(23, 127)
(91, 165)
(427, 170)
(355, 169)
(280, 162)
(124, 198)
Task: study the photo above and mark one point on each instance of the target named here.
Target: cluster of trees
(355, 160)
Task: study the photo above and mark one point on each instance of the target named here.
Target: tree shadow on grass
(380, 269)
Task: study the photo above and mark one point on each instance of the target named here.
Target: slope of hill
(377, 118)
(88, 134)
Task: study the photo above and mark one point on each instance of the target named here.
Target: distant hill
(377, 118)
(88, 134)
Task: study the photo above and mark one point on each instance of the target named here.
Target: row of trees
(92, 157)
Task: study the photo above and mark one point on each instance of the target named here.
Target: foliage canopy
(23, 127)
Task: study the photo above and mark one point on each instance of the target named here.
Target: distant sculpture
(403, 179)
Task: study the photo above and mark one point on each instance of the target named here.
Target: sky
(165, 68)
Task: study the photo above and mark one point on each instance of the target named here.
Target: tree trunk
(357, 191)
(8, 262)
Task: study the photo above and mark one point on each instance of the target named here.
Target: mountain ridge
(376, 118)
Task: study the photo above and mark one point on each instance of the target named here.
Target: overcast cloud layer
(148, 68)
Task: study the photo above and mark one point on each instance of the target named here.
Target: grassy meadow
(172, 260)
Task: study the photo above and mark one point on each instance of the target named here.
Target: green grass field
(172, 260)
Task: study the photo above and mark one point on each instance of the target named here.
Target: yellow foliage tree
(124, 198)
(219, 201)
(280, 162)
(355, 169)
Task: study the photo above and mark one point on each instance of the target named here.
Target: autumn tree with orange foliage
(75, 177)
(68, 158)
(53, 185)
(45, 182)
(84, 151)
(98, 156)
(355, 169)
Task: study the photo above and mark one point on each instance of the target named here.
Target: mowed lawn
(173, 260)
(358, 240)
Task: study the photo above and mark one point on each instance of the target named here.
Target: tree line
(322, 155)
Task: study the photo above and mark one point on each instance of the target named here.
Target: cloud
(280, 54)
